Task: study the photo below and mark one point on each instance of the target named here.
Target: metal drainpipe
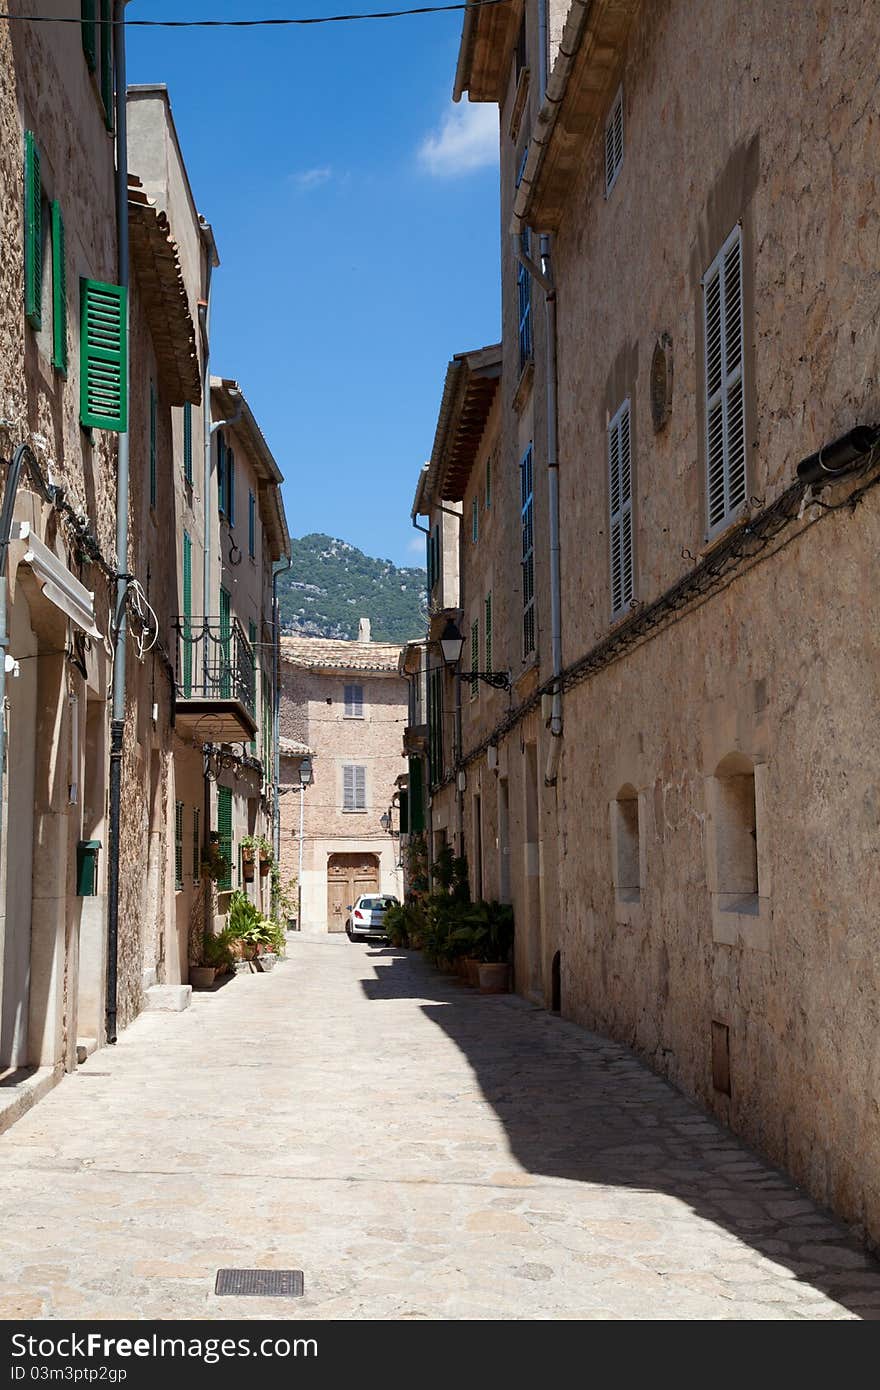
(543, 273)
(278, 567)
(23, 457)
(117, 722)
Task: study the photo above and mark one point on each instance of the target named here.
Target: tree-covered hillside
(332, 584)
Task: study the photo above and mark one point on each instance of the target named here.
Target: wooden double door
(348, 876)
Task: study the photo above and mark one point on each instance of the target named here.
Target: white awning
(59, 586)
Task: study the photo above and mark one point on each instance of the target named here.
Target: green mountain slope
(332, 584)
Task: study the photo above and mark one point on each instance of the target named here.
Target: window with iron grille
(614, 142)
(488, 631)
(178, 845)
(475, 520)
(354, 788)
(620, 509)
(354, 702)
(528, 551)
(475, 657)
(726, 484)
(196, 845)
(524, 302)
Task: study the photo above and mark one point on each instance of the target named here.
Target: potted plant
(216, 959)
(265, 850)
(492, 926)
(248, 855)
(213, 863)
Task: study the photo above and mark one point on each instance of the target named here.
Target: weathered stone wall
(780, 667)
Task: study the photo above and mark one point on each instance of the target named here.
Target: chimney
(364, 630)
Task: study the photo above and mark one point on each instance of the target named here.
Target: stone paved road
(417, 1150)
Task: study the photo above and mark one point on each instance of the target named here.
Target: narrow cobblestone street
(417, 1150)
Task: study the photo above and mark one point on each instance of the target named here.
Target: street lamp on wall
(451, 644)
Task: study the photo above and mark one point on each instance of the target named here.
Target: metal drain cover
(260, 1283)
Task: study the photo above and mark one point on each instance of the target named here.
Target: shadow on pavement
(581, 1107)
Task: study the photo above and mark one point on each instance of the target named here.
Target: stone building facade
(343, 707)
(72, 337)
(698, 810)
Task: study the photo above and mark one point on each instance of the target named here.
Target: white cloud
(312, 178)
(467, 139)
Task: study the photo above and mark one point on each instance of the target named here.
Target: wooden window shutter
(33, 233)
(59, 292)
(360, 788)
(187, 654)
(354, 702)
(475, 656)
(103, 348)
(614, 142)
(348, 787)
(726, 485)
(252, 525)
(195, 845)
(153, 478)
(221, 473)
(488, 626)
(224, 835)
(178, 845)
(252, 638)
(475, 521)
(107, 61)
(88, 28)
(230, 487)
(188, 443)
(620, 510)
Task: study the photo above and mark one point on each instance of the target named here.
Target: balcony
(215, 680)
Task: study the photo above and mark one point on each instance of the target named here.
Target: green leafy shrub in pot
(491, 929)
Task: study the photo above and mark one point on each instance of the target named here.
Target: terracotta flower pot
(472, 968)
(201, 976)
(247, 870)
(494, 978)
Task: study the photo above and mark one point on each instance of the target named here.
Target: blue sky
(356, 215)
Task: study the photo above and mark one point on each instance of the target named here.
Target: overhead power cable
(253, 23)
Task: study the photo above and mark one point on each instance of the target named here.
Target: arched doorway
(348, 875)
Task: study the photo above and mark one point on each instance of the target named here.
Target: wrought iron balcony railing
(214, 661)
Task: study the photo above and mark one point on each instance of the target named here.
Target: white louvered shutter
(725, 389)
(620, 508)
(360, 788)
(348, 788)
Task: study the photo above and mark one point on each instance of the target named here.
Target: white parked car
(368, 916)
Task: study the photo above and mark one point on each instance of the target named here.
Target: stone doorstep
(169, 999)
(18, 1098)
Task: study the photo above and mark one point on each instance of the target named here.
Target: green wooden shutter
(225, 645)
(196, 855)
(221, 473)
(489, 633)
(103, 368)
(107, 61)
(475, 656)
(188, 443)
(59, 292)
(89, 36)
(33, 233)
(416, 797)
(153, 480)
(252, 638)
(187, 615)
(230, 487)
(224, 831)
(178, 845)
